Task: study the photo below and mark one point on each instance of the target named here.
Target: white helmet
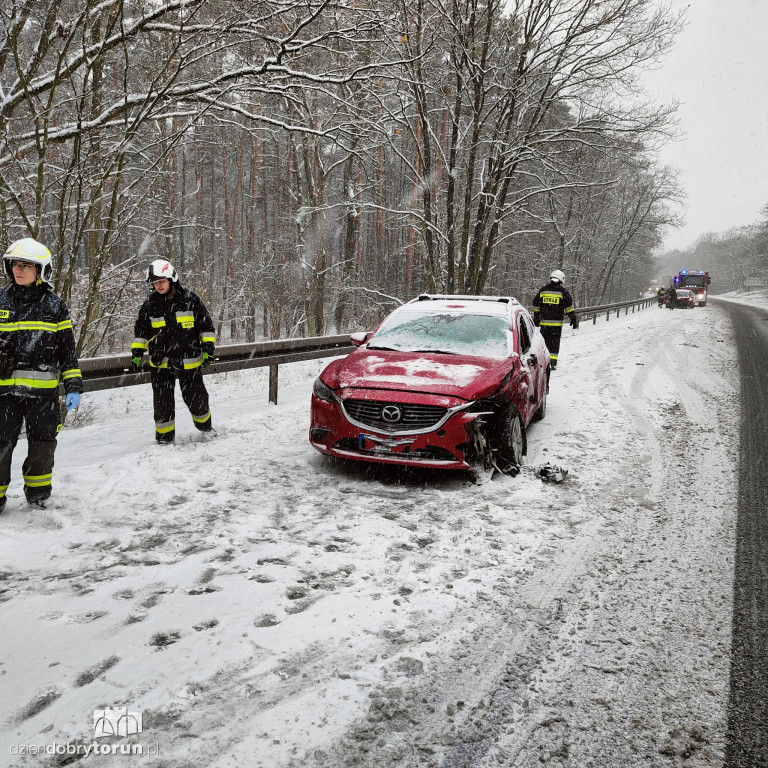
(558, 276)
(159, 269)
(32, 252)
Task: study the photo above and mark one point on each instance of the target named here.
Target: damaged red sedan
(449, 382)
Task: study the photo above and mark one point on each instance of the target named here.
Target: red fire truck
(697, 281)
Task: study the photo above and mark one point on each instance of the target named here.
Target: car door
(528, 369)
(534, 361)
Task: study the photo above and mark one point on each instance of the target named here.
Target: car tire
(508, 436)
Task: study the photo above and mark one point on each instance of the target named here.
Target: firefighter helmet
(159, 269)
(558, 276)
(31, 252)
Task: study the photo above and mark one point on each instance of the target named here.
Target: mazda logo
(391, 413)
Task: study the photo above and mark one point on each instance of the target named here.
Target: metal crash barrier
(115, 371)
(586, 313)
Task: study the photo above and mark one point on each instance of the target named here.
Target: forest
(307, 165)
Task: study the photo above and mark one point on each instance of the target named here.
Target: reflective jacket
(551, 304)
(175, 330)
(36, 331)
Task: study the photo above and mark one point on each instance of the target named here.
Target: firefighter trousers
(551, 334)
(43, 420)
(195, 397)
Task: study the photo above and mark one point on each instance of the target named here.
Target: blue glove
(72, 401)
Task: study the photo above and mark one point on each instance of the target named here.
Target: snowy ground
(757, 298)
(261, 606)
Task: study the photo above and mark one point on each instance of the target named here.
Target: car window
(456, 334)
(525, 335)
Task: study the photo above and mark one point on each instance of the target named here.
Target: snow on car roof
(491, 305)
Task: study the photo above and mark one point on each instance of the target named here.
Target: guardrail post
(594, 319)
(273, 383)
(607, 315)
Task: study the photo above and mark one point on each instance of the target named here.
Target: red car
(448, 382)
(683, 299)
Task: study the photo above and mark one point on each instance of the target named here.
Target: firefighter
(175, 328)
(550, 305)
(660, 295)
(37, 349)
(671, 297)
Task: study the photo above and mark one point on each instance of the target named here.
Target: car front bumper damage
(449, 445)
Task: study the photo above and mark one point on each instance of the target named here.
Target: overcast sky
(718, 70)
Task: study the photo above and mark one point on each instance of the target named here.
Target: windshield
(453, 334)
(693, 281)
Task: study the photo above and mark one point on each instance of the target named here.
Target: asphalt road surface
(748, 706)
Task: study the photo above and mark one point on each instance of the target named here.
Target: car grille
(414, 417)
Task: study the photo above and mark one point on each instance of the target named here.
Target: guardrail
(114, 371)
(594, 312)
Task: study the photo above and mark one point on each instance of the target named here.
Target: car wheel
(509, 439)
(541, 411)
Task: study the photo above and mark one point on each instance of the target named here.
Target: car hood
(469, 378)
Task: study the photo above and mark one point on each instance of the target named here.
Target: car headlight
(322, 391)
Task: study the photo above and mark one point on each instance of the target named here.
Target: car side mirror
(533, 360)
(359, 338)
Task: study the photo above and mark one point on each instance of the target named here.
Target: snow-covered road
(263, 607)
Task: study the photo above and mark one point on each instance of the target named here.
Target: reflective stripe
(570, 309)
(157, 322)
(164, 364)
(33, 379)
(201, 419)
(139, 343)
(38, 481)
(185, 317)
(3, 489)
(72, 373)
(41, 375)
(553, 323)
(551, 298)
(552, 357)
(164, 427)
(36, 325)
(205, 337)
(29, 325)
(193, 362)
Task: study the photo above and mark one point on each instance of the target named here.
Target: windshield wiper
(388, 349)
(435, 351)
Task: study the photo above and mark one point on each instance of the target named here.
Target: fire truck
(696, 281)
